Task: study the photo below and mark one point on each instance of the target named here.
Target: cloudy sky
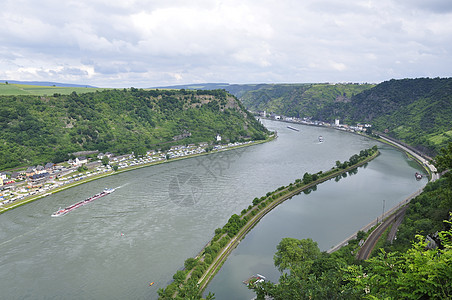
(145, 43)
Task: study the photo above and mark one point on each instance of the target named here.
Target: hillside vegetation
(413, 267)
(299, 100)
(416, 111)
(8, 89)
(38, 129)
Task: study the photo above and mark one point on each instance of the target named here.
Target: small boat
(320, 139)
(254, 279)
(418, 176)
(152, 283)
(293, 128)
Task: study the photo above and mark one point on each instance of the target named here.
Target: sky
(140, 43)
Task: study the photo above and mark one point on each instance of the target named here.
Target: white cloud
(149, 43)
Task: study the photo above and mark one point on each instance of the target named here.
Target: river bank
(44, 194)
(225, 242)
(421, 158)
(144, 231)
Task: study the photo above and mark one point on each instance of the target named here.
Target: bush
(190, 263)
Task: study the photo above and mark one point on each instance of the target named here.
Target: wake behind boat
(63, 211)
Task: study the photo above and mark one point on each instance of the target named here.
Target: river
(115, 246)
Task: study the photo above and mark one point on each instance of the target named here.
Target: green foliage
(307, 178)
(413, 272)
(36, 129)
(425, 214)
(9, 89)
(417, 111)
(105, 160)
(293, 254)
(298, 100)
(190, 263)
(235, 223)
(443, 161)
(82, 169)
(416, 274)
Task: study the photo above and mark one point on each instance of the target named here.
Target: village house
(49, 166)
(17, 176)
(30, 171)
(38, 179)
(106, 154)
(40, 169)
(81, 160)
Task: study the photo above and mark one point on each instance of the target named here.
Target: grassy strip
(250, 224)
(251, 216)
(131, 168)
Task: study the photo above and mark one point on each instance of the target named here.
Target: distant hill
(10, 88)
(236, 89)
(39, 129)
(417, 111)
(195, 86)
(300, 100)
(47, 83)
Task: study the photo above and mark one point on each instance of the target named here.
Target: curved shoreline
(29, 199)
(224, 241)
(221, 258)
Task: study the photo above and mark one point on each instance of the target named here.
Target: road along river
(159, 216)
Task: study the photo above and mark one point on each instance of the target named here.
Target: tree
(105, 160)
(307, 178)
(416, 274)
(82, 168)
(190, 263)
(443, 161)
(293, 254)
(115, 168)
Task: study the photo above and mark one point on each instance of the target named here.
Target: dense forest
(299, 100)
(412, 267)
(416, 111)
(39, 129)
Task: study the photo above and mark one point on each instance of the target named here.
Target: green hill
(416, 111)
(28, 89)
(299, 100)
(38, 129)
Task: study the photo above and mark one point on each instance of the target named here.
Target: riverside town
(39, 181)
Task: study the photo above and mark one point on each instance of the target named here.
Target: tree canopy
(39, 129)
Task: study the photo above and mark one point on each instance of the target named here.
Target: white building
(218, 138)
(336, 122)
(80, 160)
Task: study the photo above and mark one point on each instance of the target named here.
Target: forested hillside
(417, 111)
(299, 100)
(38, 129)
(413, 267)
